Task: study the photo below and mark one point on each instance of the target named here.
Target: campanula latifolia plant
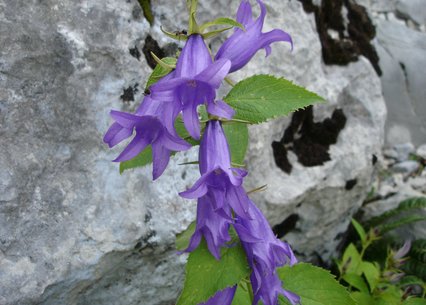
(234, 257)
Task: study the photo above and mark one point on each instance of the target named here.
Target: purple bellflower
(222, 297)
(219, 191)
(242, 45)
(196, 79)
(153, 122)
(264, 254)
(218, 178)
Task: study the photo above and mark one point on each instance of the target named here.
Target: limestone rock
(421, 151)
(72, 230)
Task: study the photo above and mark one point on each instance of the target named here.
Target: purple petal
(116, 133)
(198, 190)
(220, 109)
(194, 58)
(133, 149)
(174, 143)
(244, 13)
(125, 119)
(214, 149)
(238, 200)
(215, 73)
(160, 159)
(222, 297)
(292, 297)
(191, 122)
(273, 36)
(403, 250)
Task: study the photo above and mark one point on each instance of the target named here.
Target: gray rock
(390, 153)
(421, 151)
(412, 9)
(406, 167)
(404, 151)
(401, 51)
(74, 231)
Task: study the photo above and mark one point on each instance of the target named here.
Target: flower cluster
(222, 200)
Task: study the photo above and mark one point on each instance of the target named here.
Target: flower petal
(160, 159)
(198, 190)
(194, 58)
(125, 119)
(133, 149)
(222, 297)
(220, 109)
(116, 133)
(273, 36)
(244, 13)
(215, 73)
(191, 122)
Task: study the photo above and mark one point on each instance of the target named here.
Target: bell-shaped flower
(242, 45)
(222, 297)
(196, 80)
(149, 131)
(264, 253)
(262, 247)
(212, 225)
(218, 179)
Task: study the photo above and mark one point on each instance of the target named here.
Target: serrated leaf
(238, 140)
(410, 280)
(400, 222)
(371, 273)
(360, 230)
(160, 71)
(356, 281)
(406, 205)
(314, 285)
(205, 275)
(262, 97)
(221, 21)
(182, 239)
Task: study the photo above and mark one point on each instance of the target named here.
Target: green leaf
(351, 261)
(360, 230)
(371, 273)
(314, 285)
(182, 239)
(205, 275)
(400, 222)
(221, 21)
(418, 250)
(262, 97)
(147, 12)
(160, 71)
(406, 205)
(242, 295)
(215, 33)
(391, 296)
(238, 139)
(415, 301)
(356, 281)
(363, 298)
(410, 280)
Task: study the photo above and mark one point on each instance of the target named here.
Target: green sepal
(174, 35)
(221, 21)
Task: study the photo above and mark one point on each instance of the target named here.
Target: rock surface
(401, 45)
(72, 230)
